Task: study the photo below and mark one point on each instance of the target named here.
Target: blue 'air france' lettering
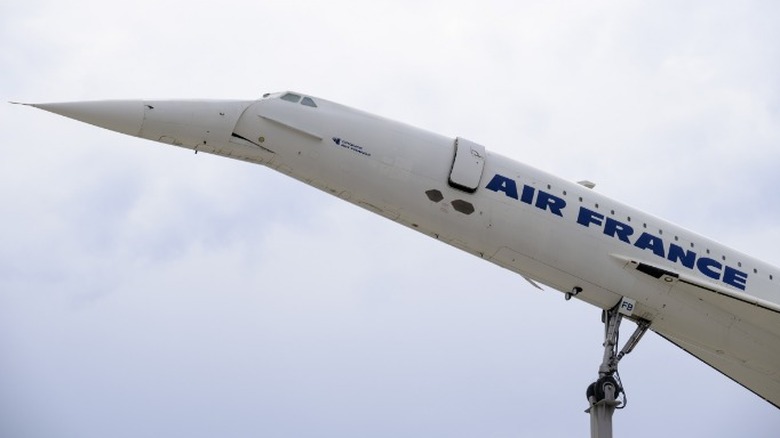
(543, 200)
(621, 231)
(655, 244)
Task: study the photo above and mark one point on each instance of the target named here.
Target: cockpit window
(290, 97)
(296, 98)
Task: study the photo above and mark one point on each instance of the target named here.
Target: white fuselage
(719, 304)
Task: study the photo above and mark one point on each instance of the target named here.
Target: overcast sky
(149, 292)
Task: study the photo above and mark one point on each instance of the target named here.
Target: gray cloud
(147, 291)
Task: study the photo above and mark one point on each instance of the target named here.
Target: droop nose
(194, 124)
(125, 116)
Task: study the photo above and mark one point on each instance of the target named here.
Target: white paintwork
(403, 173)
(125, 116)
(468, 165)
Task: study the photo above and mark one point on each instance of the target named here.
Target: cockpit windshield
(297, 98)
(291, 97)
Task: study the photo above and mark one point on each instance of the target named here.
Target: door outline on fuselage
(467, 165)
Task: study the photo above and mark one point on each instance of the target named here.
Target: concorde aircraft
(718, 304)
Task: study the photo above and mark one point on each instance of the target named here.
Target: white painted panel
(468, 165)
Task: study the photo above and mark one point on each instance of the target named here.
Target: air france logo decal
(621, 231)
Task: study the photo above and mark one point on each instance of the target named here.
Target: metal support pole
(601, 412)
(603, 393)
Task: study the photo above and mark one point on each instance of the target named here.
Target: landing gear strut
(604, 395)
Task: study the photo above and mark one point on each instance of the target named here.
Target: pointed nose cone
(125, 116)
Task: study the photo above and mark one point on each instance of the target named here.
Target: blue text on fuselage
(622, 231)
